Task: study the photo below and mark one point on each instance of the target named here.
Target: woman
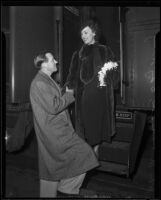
(94, 105)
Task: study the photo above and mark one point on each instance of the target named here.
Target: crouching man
(64, 158)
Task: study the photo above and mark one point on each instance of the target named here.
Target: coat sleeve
(113, 76)
(50, 99)
(109, 54)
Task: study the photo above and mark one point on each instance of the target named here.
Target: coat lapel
(51, 81)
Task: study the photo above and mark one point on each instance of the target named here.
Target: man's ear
(44, 64)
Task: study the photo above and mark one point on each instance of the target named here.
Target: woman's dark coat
(81, 73)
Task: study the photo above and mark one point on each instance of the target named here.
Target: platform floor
(21, 176)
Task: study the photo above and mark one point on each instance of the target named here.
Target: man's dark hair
(39, 60)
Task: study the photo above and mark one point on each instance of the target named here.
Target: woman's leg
(96, 150)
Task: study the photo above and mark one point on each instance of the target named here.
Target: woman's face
(88, 36)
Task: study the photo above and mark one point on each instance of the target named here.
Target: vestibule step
(115, 168)
(114, 152)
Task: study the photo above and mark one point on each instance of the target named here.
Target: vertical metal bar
(59, 38)
(12, 52)
(122, 86)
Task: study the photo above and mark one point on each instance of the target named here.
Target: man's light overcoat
(62, 153)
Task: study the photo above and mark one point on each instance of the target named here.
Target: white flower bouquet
(102, 73)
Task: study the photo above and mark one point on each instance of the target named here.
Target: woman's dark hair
(94, 25)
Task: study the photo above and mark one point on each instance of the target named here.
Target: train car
(133, 33)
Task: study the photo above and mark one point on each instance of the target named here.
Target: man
(64, 158)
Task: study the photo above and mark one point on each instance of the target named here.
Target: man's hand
(69, 90)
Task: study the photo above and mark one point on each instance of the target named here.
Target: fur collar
(87, 50)
(91, 57)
